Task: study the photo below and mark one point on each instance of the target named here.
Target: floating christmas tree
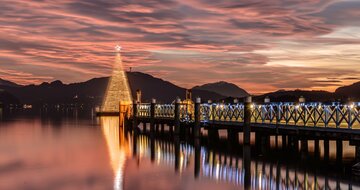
(118, 87)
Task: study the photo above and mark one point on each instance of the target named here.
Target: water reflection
(35, 154)
(72, 154)
(164, 153)
(207, 163)
(119, 147)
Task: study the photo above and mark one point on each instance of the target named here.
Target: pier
(293, 123)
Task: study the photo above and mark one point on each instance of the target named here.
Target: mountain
(351, 92)
(8, 83)
(164, 91)
(224, 88)
(343, 94)
(91, 92)
(7, 98)
(294, 95)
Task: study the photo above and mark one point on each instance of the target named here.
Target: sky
(260, 46)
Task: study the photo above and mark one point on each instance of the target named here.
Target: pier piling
(357, 153)
(283, 142)
(152, 116)
(177, 116)
(247, 119)
(326, 149)
(339, 150)
(197, 118)
(134, 116)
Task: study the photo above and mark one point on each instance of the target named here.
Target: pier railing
(166, 111)
(309, 114)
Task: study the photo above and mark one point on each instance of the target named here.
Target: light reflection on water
(46, 153)
(65, 153)
(119, 147)
(226, 168)
(221, 168)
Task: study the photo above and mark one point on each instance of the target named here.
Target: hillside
(224, 88)
(8, 83)
(7, 98)
(351, 92)
(293, 96)
(92, 91)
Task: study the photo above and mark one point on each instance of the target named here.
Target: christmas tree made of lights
(118, 87)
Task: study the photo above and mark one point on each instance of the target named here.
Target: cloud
(229, 40)
(12, 166)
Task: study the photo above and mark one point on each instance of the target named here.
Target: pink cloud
(77, 38)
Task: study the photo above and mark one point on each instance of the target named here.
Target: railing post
(122, 113)
(177, 116)
(278, 115)
(350, 117)
(210, 110)
(197, 118)
(247, 119)
(213, 112)
(268, 109)
(138, 96)
(337, 110)
(296, 110)
(152, 116)
(236, 101)
(302, 100)
(316, 108)
(305, 120)
(263, 113)
(326, 112)
(287, 111)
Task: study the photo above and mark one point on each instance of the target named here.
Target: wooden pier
(293, 122)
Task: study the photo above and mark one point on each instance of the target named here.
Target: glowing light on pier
(118, 86)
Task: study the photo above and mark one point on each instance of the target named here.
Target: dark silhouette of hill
(342, 94)
(91, 92)
(293, 96)
(164, 91)
(224, 88)
(8, 83)
(6, 98)
(351, 92)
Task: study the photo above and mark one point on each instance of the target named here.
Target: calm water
(94, 153)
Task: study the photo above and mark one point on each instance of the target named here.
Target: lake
(74, 151)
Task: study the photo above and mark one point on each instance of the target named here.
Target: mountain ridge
(8, 83)
(91, 92)
(224, 88)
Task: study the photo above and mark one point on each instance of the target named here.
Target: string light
(118, 86)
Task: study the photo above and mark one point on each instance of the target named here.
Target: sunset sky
(259, 45)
